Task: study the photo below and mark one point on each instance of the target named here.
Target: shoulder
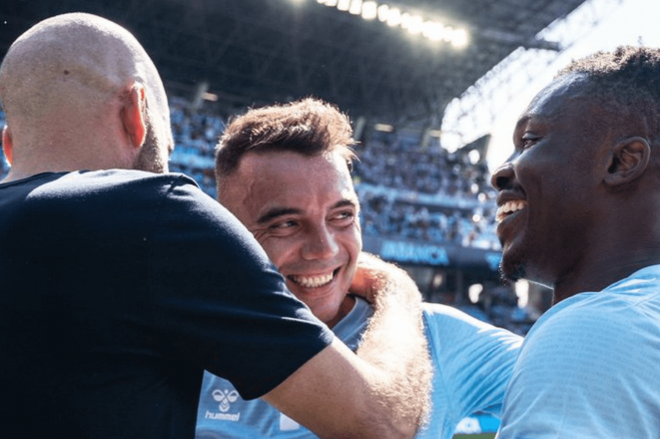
(445, 312)
(590, 318)
(169, 205)
(453, 324)
(594, 351)
(456, 338)
(595, 341)
(588, 329)
(126, 188)
(104, 186)
(122, 179)
(473, 359)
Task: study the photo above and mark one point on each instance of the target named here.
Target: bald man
(120, 286)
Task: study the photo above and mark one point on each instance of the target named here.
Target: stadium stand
(406, 192)
(424, 193)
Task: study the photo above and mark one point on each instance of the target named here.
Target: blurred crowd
(386, 215)
(400, 162)
(195, 135)
(424, 193)
(406, 191)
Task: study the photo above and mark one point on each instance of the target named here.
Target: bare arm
(395, 342)
(384, 391)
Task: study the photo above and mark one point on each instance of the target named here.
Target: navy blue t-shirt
(117, 289)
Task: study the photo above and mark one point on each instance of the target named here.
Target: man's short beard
(148, 158)
(511, 274)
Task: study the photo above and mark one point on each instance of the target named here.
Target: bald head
(64, 86)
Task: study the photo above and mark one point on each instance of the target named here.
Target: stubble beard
(511, 276)
(148, 158)
(512, 267)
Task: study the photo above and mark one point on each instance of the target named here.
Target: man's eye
(345, 216)
(283, 225)
(528, 141)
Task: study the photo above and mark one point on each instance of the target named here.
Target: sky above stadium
(631, 22)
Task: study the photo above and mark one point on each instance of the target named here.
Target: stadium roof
(257, 51)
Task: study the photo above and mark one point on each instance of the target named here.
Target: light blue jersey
(472, 364)
(589, 367)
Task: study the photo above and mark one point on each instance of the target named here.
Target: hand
(376, 280)
(370, 276)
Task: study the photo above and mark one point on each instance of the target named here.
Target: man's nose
(502, 177)
(321, 244)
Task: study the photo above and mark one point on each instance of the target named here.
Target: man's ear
(630, 158)
(7, 144)
(132, 115)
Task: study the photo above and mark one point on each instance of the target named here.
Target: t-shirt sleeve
(220, 301)
(585, 373)
(473, 360)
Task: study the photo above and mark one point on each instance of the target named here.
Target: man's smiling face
(304, 213)
(547, 190)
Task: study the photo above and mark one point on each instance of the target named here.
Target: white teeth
(508, 208)
(312, 281)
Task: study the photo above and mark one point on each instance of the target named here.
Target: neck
(345, 307)
(15, 174)
(622, 238)
(65, 158)
(608, 271)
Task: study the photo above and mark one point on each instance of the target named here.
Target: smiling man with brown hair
(284, 171)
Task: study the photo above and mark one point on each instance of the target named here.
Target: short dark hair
(626, 84)
(308, 126)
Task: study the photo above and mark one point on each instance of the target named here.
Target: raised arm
(383, 392)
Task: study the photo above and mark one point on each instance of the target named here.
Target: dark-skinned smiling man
(579, 202)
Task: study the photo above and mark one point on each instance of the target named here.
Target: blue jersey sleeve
(472, 366)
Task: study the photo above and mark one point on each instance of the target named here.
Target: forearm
(395, 349)
(338, 395)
